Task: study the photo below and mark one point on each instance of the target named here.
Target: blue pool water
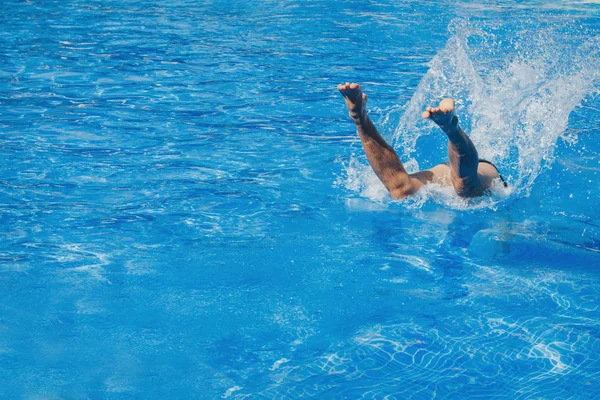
(186, 211)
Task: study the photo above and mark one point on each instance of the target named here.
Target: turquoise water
(186, 210)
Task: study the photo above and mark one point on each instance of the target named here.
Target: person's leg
(468, 176)
(381, 156)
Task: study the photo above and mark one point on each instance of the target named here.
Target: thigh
(438, 174)
(441, 174)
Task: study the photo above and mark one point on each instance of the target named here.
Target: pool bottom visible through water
(186, 210)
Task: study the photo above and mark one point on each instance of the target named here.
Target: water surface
(186, 211)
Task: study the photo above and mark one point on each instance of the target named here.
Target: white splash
(514, 92)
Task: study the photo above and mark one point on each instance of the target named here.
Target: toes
(426, 114)
(343, 88)
(348, 86)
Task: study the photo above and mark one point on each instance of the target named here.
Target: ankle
(451, 128)
(359, 118)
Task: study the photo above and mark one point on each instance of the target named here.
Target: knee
(465, 187)
(398, 194)
(402, 192)
(459, 186)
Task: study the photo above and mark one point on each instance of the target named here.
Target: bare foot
(443, 115)
(356, 101)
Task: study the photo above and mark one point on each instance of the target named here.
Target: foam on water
(514, 94)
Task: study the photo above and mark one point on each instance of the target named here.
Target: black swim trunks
(481, 160)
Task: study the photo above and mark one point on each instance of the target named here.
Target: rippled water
(186, 211)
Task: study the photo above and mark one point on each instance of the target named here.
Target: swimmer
(466, 172)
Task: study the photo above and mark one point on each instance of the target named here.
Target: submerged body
(469, 175)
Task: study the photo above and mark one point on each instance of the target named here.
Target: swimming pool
(186, 211)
